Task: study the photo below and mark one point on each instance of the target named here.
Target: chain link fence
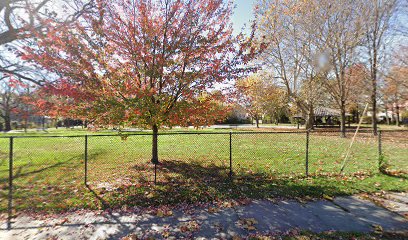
(39, 172)
(328, 152)
(394, 151)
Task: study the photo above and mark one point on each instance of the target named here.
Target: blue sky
(242, 13)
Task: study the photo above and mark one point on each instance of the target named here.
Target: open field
(49, 172)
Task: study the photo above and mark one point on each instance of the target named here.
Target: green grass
(49, 172)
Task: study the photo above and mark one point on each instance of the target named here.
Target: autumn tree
(144, 63)
(257, 95)
(396, 90)
(277, 105)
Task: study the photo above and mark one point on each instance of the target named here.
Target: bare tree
(20, 16)
(377, 25)
(290, 54)
(338, 34)
(17, 20)
(8, 102)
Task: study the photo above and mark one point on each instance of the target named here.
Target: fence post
(380, 154)
(230, 156)
(155, 174)
(10, 193)
(86, 160)
(307, 153)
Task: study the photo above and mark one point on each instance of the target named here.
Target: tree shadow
(182, 171)
(191, 182)
(18, 171)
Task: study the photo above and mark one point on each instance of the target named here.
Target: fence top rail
(148, 134)
(198, 133)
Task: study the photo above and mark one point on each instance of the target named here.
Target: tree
(290, 53)
(376, 26)
(258, 96)
(400, 61)
(339, 34)
(10, 99)
(277, 105)
(358, 79)
(8, 104)
(18, 17)
(396, 90)
(145, 63)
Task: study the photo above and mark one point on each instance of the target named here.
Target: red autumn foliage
(146, 63)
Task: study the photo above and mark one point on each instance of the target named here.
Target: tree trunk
(397, 112)
(374, 115)
(43, 123)
(25, 124)
(7, 122)
(343, 120)
(386, 115)
(155, 155)
(310, 118)
(374, 90)
(392, 113)
(257, 121)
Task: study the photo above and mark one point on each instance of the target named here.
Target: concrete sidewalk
(342, 214)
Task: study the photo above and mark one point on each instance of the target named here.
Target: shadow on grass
(18, 170)
(189, 182)
(182, 171)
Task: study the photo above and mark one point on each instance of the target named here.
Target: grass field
(49, 172)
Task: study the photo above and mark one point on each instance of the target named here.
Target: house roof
(324, 112)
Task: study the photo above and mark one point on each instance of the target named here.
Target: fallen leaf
(377, 228)
(213, 209)
(327, 197)
(248, 223)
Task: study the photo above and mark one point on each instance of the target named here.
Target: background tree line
(312, 53)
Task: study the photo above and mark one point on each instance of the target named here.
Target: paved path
(341, 214)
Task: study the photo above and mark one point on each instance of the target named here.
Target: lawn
(49, 172)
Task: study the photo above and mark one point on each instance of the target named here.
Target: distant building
(391, 113)
(325, 116)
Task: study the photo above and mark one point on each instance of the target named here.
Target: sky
(242, 14)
